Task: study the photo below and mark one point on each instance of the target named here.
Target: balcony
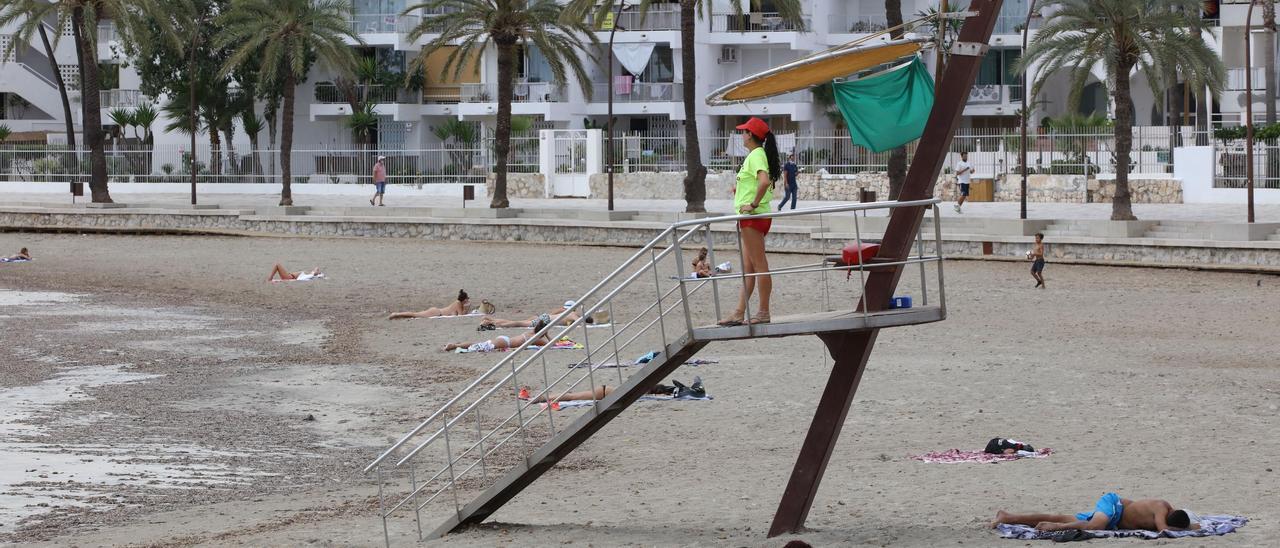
(859, 24)
(121, 98)
(1236, 79)
(388, 23)
(756, 22)
(1012, 24)
(398, 103)
(642, 98)
(658, 18)
(993, 100)
(529, 99)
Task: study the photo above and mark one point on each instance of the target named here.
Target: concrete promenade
(1175, 235)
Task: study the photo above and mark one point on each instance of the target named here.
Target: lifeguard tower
(486, 444)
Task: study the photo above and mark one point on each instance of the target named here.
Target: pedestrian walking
(964, 172)
(792, 191)
(379, 181)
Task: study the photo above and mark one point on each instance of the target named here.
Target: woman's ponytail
(771, 152)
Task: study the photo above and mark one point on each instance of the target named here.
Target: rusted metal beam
(851, 351)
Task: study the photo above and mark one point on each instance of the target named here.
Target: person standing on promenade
(964, 173)
(379, 181)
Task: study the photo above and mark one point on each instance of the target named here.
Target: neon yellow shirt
(749, 182)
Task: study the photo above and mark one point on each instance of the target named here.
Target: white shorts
(484, 346)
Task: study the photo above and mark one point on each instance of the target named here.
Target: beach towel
(1209, 526)
(562, 344)
(584, 403)
(694, 363)
(955, 456)
(13, 260)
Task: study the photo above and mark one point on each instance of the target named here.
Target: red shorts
(760, 225)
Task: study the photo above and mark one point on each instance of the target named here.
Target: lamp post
(1248, 105)
(1026, 29)
(613, 30)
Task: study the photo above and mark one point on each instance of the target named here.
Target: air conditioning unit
(728, 54)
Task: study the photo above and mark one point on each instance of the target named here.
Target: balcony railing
(1236, 80)
(379, 95)
(1012, 24)
(386, 23)
(638, 92)
(659, 17)
(121, 98)
(862, 24)
(525, 92)
(756, 22)
(994, 94)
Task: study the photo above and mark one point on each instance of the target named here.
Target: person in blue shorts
(1110, 513)
(379, 181)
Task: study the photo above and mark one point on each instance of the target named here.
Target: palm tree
(285, 35)
(474, 24)
(695, 180)
(897, 167)
(128, 15)
(1122, 35)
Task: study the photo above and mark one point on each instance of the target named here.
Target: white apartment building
(647, 95)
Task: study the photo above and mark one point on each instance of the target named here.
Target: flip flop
(730, 323)
(759, 320)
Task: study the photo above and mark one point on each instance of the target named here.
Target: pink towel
(955, 455)
(622, 84)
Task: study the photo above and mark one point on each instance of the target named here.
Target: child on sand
(702, 268)
(23, 255)
(1036, 255)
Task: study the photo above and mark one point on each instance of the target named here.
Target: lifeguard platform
(486, 444)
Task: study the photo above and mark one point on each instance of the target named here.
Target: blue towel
(12, 260)
(1209, 526)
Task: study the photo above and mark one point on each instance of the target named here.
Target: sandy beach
(155, 391)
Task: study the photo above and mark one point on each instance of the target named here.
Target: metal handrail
(652, 245)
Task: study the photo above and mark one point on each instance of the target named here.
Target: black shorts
(964, 189)
(1037, 266)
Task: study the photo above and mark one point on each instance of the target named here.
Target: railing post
(417, 511)
(657, 288)
(937, 234)
(862, 268)
(684, 292)
(924, 285)
(386, 536)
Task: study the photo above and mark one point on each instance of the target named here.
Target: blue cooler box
(900, 302)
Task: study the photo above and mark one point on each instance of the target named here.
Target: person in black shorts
(1036, 255)
(964, 174)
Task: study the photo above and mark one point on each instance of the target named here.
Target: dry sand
(153, 391)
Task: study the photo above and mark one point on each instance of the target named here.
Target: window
(661, 67)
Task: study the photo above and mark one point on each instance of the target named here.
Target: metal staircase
(486, 444)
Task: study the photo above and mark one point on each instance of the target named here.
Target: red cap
(757, 127)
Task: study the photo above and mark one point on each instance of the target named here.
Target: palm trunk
(88, 56)
(1269, 61)
(233, 161)
(286, 140)
(897, 168)
(1121, 208)
(257, 158)
(62, 88)
(272, 113)
(502, 134)
(695, 179)
(215, 149)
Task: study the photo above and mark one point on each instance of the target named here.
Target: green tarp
(887, 110)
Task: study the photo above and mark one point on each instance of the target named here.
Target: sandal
(730, 323)
(759, 319)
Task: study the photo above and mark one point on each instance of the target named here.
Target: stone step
(1174, 235)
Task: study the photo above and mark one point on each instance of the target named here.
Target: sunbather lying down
(1110, 513)
(286, 276)
(677, 389)
(502, 324)
(456, 308)
(503, 342)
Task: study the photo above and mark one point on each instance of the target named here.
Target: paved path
(1003, 210)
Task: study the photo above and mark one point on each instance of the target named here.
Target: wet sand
(155, 391)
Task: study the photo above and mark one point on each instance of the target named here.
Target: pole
(609, 154)
(1026, 28)
(942, 37)
(191, 70)
(1248, 106)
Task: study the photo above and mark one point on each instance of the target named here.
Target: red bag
(855, 255)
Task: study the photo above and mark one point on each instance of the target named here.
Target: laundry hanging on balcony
(889, 109)
(634, 57)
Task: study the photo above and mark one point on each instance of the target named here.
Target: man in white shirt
(964, 172)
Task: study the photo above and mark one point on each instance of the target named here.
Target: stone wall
(521, 185)
(647, 186)
(1065, 189)
(812, 186)
(1141, 191)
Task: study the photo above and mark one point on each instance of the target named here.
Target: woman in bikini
(286, 276)
(752, 196)
(23, 255)
(503, 342)
(490, 322)
(457, 308)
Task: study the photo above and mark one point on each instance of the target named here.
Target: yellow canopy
(815, 69)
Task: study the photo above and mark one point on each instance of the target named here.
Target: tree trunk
(233, 161)
(272, 114)
(257, 158)
(897, 168)
(88, 56)
(1269, 62)
(215, 150)
(695, 179)
(286, 140)
(1121, 208)
(1202, 118)
(502, 134)
(62, 89)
